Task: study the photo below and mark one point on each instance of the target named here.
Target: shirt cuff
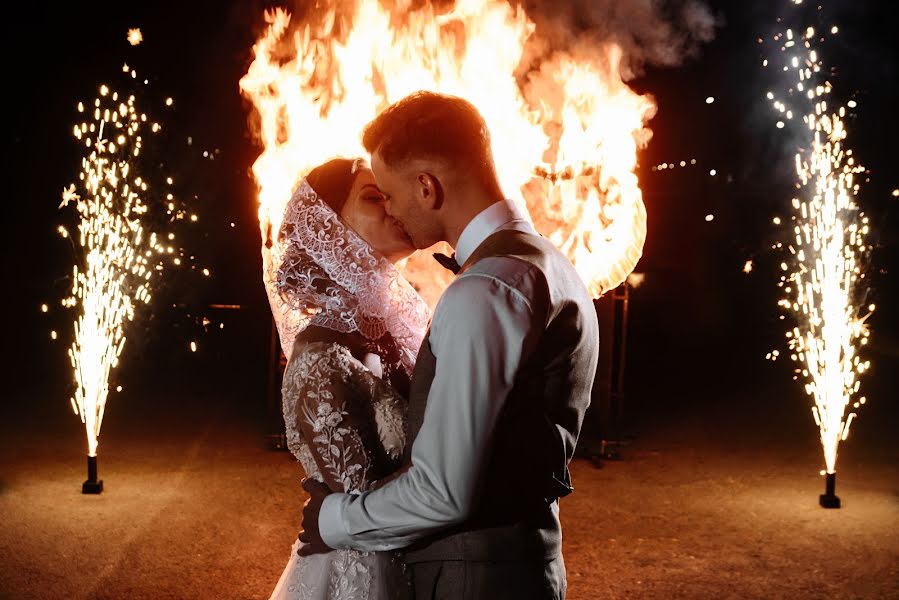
(330, 521)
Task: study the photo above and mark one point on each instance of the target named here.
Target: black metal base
(92, 487)
(829, 501)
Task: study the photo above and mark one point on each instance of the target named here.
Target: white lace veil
(319, 271)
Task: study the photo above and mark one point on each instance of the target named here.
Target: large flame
(565, 133)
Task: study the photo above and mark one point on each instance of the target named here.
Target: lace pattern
(340, 448)
(353, 578)
(320, 271)
(312, 401)
(288, 321)
(309, 398)
(344, 575)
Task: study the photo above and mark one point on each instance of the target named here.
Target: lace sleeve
(343, 413)
(388, 405)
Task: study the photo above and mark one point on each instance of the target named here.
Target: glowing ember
(635, 280)
(135, 37)
(565, 134)
(823, 281)
(117, 253)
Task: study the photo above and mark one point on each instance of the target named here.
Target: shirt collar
(484, 224)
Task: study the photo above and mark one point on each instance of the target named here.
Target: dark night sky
(695, 294)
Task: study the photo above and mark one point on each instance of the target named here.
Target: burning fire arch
(566, 128)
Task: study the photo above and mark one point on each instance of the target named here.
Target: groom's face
(403, 200)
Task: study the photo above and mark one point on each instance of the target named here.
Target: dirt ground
(709, 499)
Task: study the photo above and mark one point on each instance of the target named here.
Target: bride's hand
(311, 535)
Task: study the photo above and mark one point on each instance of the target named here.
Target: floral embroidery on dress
(318, 271)
(308, 399)
(298, 584)
(340, 448)
(350, 578)
(307, 395)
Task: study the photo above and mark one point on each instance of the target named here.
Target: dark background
(698, 323)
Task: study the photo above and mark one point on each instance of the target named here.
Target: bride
(351, 327)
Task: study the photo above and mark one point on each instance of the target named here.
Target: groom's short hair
(437, 126)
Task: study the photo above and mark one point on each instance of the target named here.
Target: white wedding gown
(342, 419)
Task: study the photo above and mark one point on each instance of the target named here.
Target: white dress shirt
(481, 332)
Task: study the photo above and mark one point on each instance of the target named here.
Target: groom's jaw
(399, 225)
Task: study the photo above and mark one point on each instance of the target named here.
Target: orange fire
(565, 132)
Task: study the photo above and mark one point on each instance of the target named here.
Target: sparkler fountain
(118, 255)
(823, 281)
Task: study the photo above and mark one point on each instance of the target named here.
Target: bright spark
(823, 280)
(115, 275)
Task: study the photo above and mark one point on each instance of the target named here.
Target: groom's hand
(311, 536)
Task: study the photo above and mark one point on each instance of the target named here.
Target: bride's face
(364, 212)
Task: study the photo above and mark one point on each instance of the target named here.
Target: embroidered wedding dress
(343, 418)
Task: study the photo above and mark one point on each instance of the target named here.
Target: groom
(501, 383)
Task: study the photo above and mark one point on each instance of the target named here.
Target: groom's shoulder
(510, 270)
(497, 275)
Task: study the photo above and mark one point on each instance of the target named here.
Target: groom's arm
(481, 332)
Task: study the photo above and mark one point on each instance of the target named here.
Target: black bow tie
(447, 262)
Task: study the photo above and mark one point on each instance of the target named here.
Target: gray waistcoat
(515, 514)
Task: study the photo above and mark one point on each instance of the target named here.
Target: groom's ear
(429, 190)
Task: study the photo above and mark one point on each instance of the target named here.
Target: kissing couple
(436, 447)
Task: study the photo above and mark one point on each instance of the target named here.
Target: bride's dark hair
(333, 180)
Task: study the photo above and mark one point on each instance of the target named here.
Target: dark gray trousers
(488, 580)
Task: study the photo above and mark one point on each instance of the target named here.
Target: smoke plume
(649, 32)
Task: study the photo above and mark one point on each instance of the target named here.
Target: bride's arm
(330, 415)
